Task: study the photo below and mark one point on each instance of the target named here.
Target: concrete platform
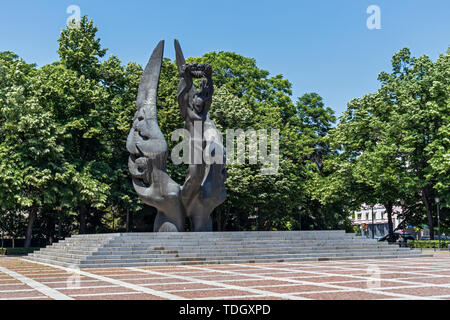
(167, 249)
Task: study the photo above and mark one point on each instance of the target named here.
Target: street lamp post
(373, 225)
(59, 225)
(1, 227)
(128, 220)
(300, 217)
(437, 199)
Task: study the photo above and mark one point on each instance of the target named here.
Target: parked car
(386, 238)
(398, 236)
(407, 236)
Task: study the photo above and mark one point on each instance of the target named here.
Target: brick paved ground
(424, 278)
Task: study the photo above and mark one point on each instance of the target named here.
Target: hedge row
(433, 244)
(16, 251)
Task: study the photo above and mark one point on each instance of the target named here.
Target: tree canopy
(393, 145)
(63, 130)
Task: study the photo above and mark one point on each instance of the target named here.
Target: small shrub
(429, 244)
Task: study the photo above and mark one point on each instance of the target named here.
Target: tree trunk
(388, 207)
(260, 221)
(31, 218)
(225, 218)
(128, 220)
(83, 214)
(13, 242)
(426, 202)
(300, 221)
(51, 229)
(219, 219)
(59, 225)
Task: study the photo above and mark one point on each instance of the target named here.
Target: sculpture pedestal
(181, 248)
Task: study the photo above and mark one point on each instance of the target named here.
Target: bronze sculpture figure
(204, 187)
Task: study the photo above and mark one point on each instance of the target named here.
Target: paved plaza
(390, 279)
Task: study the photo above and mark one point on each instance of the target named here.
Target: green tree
(92, 102)
(388, 142)
(418, 92)
(29, 136)
(64, 128)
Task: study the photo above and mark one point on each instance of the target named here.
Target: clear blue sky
(322, 46)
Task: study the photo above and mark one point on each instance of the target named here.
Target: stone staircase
(163, 249)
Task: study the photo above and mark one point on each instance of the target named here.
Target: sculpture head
(200, 100)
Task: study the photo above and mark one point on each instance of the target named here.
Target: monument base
(182, 248)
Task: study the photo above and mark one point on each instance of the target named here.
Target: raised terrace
(163, 249)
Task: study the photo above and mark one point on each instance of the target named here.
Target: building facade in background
(374, 225)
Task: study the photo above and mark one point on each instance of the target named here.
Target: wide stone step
(112, 250)
(149, 264)
(217, 234)
(219, 246)
(226, 258)
(234, 258)
(176, 253)
(206, 251)
(234, 251)
(223, 243)
(200, 252)
(72, 261)
(128, 239)
(219, 242)
(208, 247)
(140, 264)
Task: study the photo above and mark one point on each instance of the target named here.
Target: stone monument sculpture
(204, 186)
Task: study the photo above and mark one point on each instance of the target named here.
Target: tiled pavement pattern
(409, 278)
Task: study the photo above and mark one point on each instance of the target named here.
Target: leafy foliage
(63, 129)
(393, 145)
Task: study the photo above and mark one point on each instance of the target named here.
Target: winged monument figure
(204, 186)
